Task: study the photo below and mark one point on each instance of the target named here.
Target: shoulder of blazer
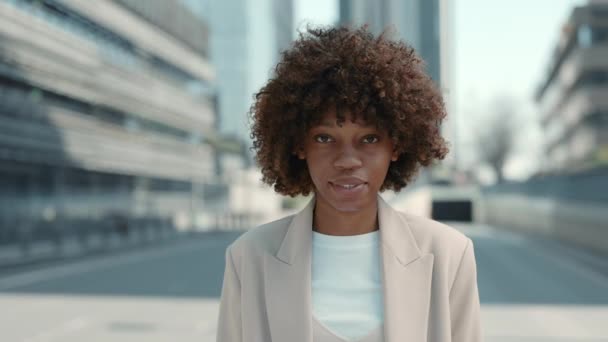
(445, 242)
(265, 238)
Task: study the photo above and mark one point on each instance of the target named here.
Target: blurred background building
(124, 138)
(247, 38)
(572, 97)
(107, 115)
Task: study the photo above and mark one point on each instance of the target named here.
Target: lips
(347, 182)
(348, 187)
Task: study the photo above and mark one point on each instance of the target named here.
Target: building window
(591, 78)
(585, 36)
(600, 35)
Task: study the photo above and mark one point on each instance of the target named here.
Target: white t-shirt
(347, 283)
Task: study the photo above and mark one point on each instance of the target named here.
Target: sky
(323, 12)
(501, 49)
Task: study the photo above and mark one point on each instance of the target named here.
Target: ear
(299, 152)
(395, 155)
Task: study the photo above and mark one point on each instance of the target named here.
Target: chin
(346, 206)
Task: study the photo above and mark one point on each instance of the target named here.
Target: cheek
(319, 167)
(380, 157)
(379, 163)
(315, 167)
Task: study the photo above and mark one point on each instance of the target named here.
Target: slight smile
(347, 186)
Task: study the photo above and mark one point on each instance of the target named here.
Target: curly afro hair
(379, 80)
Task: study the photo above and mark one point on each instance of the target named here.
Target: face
(347, 163)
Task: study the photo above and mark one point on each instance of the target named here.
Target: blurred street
(166, 293)
(531, 290)
(127, 164)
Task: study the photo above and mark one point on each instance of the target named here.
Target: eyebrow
(332, 124)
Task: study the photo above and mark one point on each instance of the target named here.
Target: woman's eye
(370, 139)
(323, 138)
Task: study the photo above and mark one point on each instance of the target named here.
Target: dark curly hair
(379, 80)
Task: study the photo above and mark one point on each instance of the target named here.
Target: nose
(347, 158)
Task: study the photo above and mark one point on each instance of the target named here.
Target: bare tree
(496, 134)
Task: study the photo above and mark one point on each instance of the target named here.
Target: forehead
(330, 119)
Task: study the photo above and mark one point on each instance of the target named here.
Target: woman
(346, 116)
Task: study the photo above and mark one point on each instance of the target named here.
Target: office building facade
(246, 40)
(573, 96)
(105, 112)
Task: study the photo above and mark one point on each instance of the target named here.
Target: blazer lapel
(288, 284)
(407, 278)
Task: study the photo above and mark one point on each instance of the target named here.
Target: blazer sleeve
(464, 299)
(229, 321)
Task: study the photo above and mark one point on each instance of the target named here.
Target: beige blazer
(429, 273)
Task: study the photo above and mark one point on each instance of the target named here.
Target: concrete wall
(577, 222)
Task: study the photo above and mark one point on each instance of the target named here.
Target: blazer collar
(299, 235)
(395, 232)
(407, 276)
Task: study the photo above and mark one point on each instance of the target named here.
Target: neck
(327, 220)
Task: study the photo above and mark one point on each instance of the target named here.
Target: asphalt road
(531, 289)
